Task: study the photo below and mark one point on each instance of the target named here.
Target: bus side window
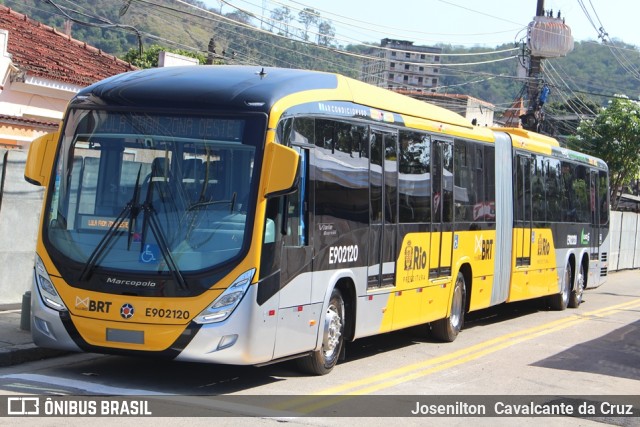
(603, 195)
(538, 190)
(270, 231)
(568, 197)
(553, 190)
(414, 177)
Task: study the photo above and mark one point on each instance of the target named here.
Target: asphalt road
(591, 354)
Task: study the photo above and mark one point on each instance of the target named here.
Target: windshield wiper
(149, 219)
(198, 205)
(106, 239)
(133, 208)
(149, 211)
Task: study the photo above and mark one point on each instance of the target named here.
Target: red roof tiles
(43, 51)
(4, 119)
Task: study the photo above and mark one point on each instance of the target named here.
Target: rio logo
(415, 258)
(544, 247)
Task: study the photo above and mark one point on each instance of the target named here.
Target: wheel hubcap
(332, 331)
(567, 285)
(456, 307)
(579, 285)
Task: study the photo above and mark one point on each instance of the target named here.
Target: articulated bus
(240, 215)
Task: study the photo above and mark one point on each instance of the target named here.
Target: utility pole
(548, 37)
(533, 118)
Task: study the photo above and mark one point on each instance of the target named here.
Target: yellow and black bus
(242, 215)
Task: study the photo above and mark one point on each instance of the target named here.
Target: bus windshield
(153, 192)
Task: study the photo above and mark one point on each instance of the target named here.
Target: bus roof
(253, 87)
(520, 133)
(538, 143)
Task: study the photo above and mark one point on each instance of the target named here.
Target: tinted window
(603, 199)
(341, 170)
(469, 181)
(487, 211)
(554, 190)
(414, 178)
(538, 189)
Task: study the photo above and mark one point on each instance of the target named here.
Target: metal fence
(625, 240)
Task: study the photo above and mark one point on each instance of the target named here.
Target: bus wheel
(576, 295)
(561, 300)
(447, 329)
(322, 361)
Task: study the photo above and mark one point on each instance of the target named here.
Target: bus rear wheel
(576, 295)
(322, 361)
(447, 329)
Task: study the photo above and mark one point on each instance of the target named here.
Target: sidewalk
(16, 345)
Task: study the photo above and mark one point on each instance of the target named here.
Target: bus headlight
(224, 305)
(45, 287)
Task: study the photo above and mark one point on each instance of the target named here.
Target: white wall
(19, 221)
(625, 238)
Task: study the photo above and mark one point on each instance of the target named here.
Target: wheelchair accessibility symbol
(150, 254)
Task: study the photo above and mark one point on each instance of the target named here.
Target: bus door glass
(442, 212)
(522, 210)
(296, 256)
(383, 185)
(594, 234)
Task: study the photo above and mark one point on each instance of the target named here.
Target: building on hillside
(511, 116)
(479, 112)
(41, 69)
(398, 64)
(415, 71)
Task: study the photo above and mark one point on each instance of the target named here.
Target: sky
(458, 22)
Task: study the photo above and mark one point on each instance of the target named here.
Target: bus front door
(442, 212)
(594, 232)
(522, 211)
(383, 178)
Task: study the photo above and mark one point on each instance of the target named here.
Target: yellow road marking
(414, 371)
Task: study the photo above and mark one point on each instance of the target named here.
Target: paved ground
(16, 345)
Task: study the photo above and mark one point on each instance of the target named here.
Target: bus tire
(447, 329)
(322, 361)
(576, 295)
(560, 301)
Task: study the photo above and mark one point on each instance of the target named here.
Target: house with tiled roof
(479, 112)
(41, 69)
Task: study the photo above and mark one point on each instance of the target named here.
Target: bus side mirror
(281, 164)
(39, 164)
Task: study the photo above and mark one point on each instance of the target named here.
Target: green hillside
(590, 71)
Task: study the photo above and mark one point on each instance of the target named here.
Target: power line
(105, 23)
(351, 23)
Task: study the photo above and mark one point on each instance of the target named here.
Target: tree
(326, 33)
(614, 136)
(240, 16)
(149, 58)
(307, 17)
(283, 16)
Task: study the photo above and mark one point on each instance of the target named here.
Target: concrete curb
(16, 345)
(22, 353)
